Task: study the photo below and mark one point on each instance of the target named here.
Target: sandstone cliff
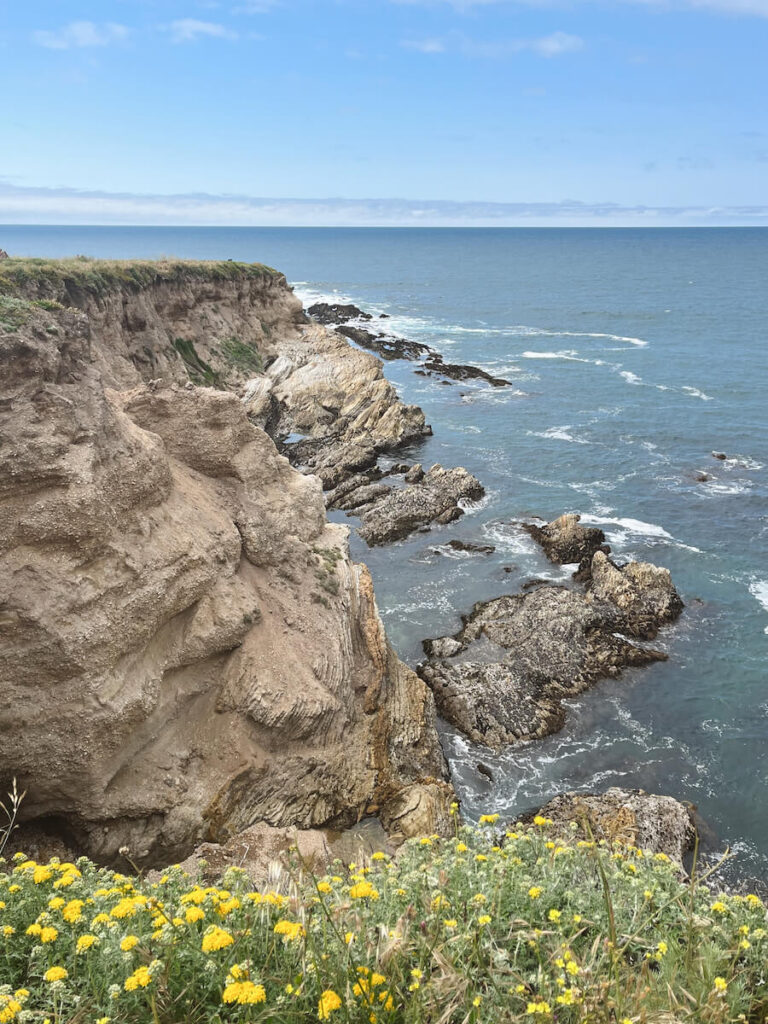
(185, 646)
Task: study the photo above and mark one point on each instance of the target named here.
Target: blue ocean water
(634, 353)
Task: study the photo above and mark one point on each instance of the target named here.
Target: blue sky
(109, 108)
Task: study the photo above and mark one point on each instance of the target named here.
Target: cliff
(186, 648)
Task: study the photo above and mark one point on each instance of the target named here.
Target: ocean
(633, 355)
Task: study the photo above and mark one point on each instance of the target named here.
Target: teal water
(633, 354)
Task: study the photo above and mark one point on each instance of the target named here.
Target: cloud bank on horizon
(184, 111)
(71, 206)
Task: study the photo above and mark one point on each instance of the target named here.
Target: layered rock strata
(186, 648)
(503, 677)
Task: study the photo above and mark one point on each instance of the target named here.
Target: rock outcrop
(502, 678)
(389, 513)
(565, 541)
(391, 346)
(659, 824)
(186, 648)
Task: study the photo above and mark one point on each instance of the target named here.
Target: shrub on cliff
(482, 927)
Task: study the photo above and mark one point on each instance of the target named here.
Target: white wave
(742, 462)
(636, 526)
(719, 488)
(630, 378)
(696, 393)
(558, 434)
(759, 590)
(567, 354)
(510, 537)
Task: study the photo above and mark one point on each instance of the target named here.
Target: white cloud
(757, 8)
(424, 45)
(545, 46)
(81, 33)
(187, 30)
(255, 7)
(24, 205)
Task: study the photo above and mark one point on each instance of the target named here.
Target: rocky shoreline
(187, 648)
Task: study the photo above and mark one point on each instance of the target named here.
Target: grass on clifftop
(483, 927)
(43, 276)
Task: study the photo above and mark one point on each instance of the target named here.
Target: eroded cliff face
(185, 646)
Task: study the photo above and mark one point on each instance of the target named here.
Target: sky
(384, 111)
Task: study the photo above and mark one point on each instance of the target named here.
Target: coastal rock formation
(565, 541)
(659, 824)
(333, 313)
(390, 346)
(434, 499)
(187, 649)
(502, 678)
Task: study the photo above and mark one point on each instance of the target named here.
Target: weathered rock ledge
(653, 823)
(186, 648)
(503, 677)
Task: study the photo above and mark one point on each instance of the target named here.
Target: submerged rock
(632, 817)
(468, 545)
(502, 678)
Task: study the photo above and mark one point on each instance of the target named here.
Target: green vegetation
(16, 311)
(486, 926)
(62, 279)
(325, 573)
(242, 355)
(199, 371)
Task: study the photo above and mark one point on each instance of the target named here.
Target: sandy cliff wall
(185, 646)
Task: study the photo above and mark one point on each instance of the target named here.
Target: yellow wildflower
(720, 984)
(554, 915)
(541, 1007)
(324, 887)
(85, 942)
(244, 993)
(329, 1001)
(489, 819)
(484, 919)
(129, 942)
(48, 934)
(363, 890)
(56, 974)
(216, 938)
(451, 922)
(139, 979)
(534, 892)
(292, 930)
(193, 914)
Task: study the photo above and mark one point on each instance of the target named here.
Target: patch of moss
(243, 356)
(199, 371)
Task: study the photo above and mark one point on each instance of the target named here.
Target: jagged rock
(415, 474)
(435, 364)
(330, 314)
(187, 648)
(659, 824)
(4, 255)
(385, 345)
(644, 594)
(502, 678)
(719, 455)
(468, 545)
(564, 541)
(434, 500)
